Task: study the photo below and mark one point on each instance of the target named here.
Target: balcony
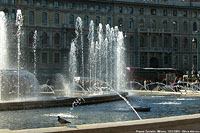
(150, 30)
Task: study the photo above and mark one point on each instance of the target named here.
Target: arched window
(174, 25)
(6, 13)
(175, 42)
(57, 20)
(194, 26)
(44, 38)
(153, 42)
(30, 2)
(185, 26)
(86, 21)
(141, 41)
(30, 39)
(71, 19)
(141, 24)
(165, 42)
(185, 43)
(56, 40)
(97, 20)
(44, 2)
(131, 42)
(44, 18)
(153, 24)
(165, 24)
(31, 17)
(131, 23)
(13, 15)
(194, 43)
(109, 21)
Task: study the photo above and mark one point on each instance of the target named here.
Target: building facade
(158, 33)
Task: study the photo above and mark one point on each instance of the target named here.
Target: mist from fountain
(3, 44)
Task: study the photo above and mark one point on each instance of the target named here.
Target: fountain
(96, 77)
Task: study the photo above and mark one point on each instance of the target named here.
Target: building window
(120, 9)
(174, 12)
(30, 2)
(194, 43)
(31, 57)
(131, 23)
(97, 7)
(56, 4)
(194, 26)
(120, 22)
(185, 26)
(185, 13)
(97, 20)
(85, 6)
(141, 41)
(153, 42)
(108, 8)
(194, 59)
(130, 10)
(131, 42)
(57, 58)
(153, 24)
(153, 11)
(71, 19)
(174, 25)
(56, 19)
(142, 60)
(30, 39)
(44, 38)
(44, 18)
(44, 58)
(166, 60)
(70, 5)
(175, 42)
(6, 12)
(165, 12)
(86, 21)
(165, 25)
(13, 15)
(13, 2)
(109, 21)
(165, 42)
(132, 59)
(44, 2)
(141, 10)
(194, 14)
(185, 43)
(185, 60)
(5, 1)
(56, 40)
(141, 24)
(31, 17)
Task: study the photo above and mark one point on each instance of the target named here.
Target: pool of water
(161, 106)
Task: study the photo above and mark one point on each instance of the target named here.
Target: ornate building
(158, 33)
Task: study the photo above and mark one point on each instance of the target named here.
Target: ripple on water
(164, 103)
(66, 115)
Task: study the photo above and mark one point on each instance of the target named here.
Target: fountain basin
(60, 102)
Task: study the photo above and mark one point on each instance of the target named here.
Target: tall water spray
(3, 45)
(106, 52)
(19, 23)
(35, 52)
